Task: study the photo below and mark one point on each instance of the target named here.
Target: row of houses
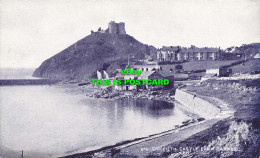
(177, 53)
(160, 72)
(193, 53)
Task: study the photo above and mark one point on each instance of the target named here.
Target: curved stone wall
(196, 104)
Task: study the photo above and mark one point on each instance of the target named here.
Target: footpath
(157, 142)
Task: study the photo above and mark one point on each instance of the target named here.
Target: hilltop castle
(113, 28)
(116, 28)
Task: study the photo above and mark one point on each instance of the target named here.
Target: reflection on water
(152, 108)
(55, 120)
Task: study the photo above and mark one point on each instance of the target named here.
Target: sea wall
(197, 105)
(26, 82)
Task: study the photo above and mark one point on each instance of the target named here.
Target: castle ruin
(113, 28)
(116, 28)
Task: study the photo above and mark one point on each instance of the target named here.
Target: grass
(247, 67)
(240, 133)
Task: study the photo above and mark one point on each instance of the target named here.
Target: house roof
(192, 49)
(165, 73)
(146, 74)
(119, 75)
(181, 75)
(197, 50)
(170, 48)
(257, 56)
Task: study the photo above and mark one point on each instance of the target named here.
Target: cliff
(94, 52)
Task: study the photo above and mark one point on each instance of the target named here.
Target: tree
(178, 67)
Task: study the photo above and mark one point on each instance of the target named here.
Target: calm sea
(57, 120)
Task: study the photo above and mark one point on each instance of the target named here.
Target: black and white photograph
(129, 78)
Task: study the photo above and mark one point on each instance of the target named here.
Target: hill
(255, 45)
(250, 50)
(94, 52)
(250, 66)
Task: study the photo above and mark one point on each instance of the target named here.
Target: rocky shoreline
(163, 95)
(160, 95)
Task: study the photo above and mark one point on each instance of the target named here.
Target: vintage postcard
(129, 78)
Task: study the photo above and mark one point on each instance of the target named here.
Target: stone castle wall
(112, 28)
(121, 28)
(116, 28)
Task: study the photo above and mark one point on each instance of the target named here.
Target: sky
(32, 31)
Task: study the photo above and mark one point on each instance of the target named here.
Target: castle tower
(116, 28)
(112, 27)
(121, 28)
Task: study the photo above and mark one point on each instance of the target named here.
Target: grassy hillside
(241, 131)
(255, 45)
(200, 65)
(250, 66)
(96, 51)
